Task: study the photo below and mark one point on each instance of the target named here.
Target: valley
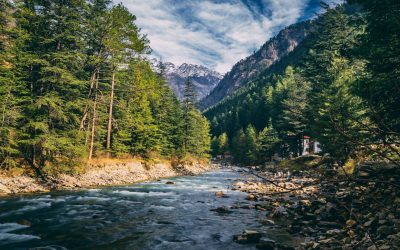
(269, 124)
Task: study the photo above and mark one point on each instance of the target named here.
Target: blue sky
(215, 33)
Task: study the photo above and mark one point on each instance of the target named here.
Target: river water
(150, 215)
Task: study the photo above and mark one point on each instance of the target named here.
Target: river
(149, 215)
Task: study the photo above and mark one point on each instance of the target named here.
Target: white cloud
(213, 34)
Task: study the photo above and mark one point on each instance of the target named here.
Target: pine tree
(9, 110)
(215, 148)
(238, 146)
(135, 111)
(96, 67)
(122, 43)
(168, 114)
(195, 133)
(223, 143)
(50, 134)
(267, 143)
(251, 145)
(189, 98)
(335, 34)
(342, 115)
(290, 113)
(379, 46)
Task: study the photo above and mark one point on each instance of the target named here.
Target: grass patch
(303, 163)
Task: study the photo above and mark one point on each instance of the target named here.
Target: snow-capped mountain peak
(202, 77)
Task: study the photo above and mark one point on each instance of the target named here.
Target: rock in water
(247, 237)
(170, 183)
(266, 244)
(279, 211)
(221, 194)
(251, 197)
(222, 210)
(267, 222)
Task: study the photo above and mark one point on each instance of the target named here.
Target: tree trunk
(3, 119)
(110, 115)
(86, 111)
(87, 132)
(94, 117)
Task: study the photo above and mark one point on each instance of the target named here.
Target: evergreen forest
(76, 85)
(340, 86)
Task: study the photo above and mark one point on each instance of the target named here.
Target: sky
(215, 33)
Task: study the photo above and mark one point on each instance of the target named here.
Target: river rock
(247, 237)
(251, 197)
(279, 211)
(333, 232)
(382, 222)
(266, 244)
(305, 202)
(239, 184)
(4, 189)
(384, 230)
(170, 183)
(222, 210)
(221, 194)
(267, 222)
(350, 223)
(246, 206)
(328, 224)
(368, 223)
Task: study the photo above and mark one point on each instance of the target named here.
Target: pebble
(251, 197)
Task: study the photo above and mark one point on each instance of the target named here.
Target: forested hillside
(339, 86)
(251, 67)
(74, 86)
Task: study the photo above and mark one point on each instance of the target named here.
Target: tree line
(75, 85)
(339, 86)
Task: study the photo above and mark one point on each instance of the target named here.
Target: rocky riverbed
(276, 209)
(327, 211)
(105, 174)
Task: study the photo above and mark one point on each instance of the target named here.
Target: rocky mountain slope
(203, 78)
(251, 67)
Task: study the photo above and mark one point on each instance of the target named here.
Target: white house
(310, 146)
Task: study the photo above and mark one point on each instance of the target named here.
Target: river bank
(177, 213)
(109, 173)
(328, 211)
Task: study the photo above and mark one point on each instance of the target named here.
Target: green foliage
(74, 85)
(9, 110)
(339, 115)
(340, 86)
(195, 137)
(238, 146)
(267, 143)
(379, 46)
(219, 145)
(250, 145)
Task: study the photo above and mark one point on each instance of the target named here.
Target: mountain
(251, 67)
(203, 78)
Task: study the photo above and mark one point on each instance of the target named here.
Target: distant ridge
(203, 78)
(251, 67)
